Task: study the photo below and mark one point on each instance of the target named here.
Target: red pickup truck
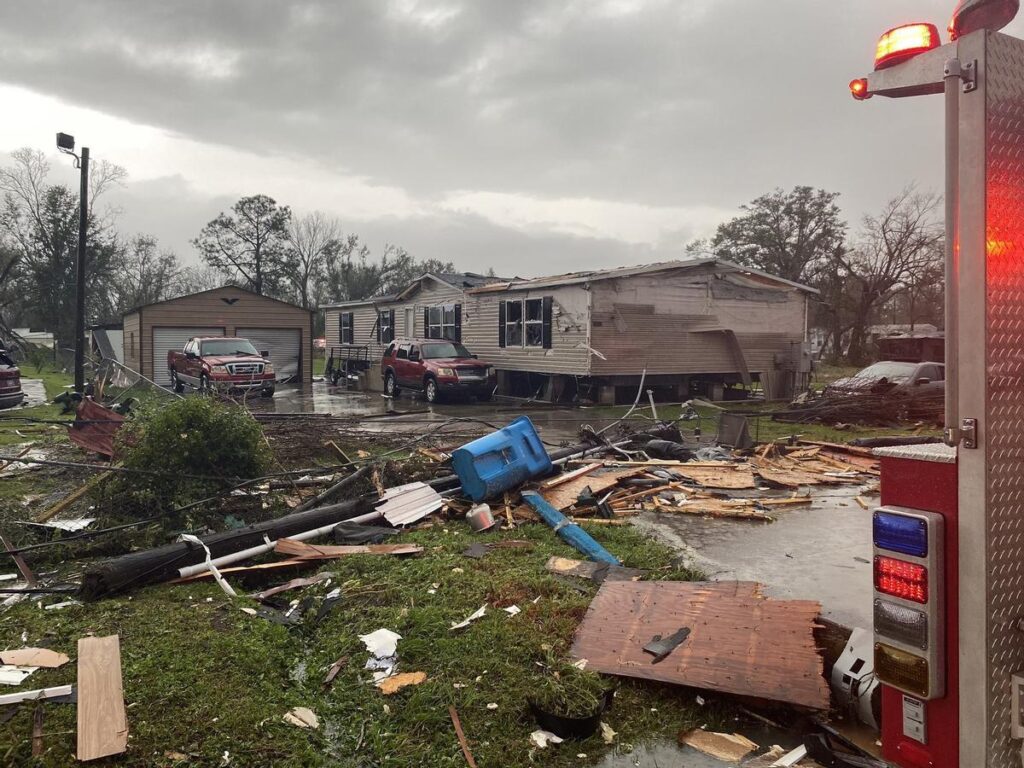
(216, 362)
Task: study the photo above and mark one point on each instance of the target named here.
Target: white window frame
(350, 318)
(516, 326)
(538, 323)
(445, 325)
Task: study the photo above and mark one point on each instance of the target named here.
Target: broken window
(513, 324)
(534, 322)
(385, 326)
(444, 322)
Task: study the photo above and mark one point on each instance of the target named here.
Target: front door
(410, 332)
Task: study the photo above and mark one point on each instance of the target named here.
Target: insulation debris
(477, 614)
(395, 683)
(739, 642)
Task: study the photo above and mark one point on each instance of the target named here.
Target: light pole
(66, 144)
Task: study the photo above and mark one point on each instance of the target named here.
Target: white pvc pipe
(245, 554)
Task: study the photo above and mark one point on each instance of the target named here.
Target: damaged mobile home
(695, 326)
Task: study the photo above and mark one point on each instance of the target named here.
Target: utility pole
(66, 144)
(83, 225)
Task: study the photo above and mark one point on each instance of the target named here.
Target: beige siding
(430, 293)
(228, 308)
(672, 324)
(132, 337)
(569, 353)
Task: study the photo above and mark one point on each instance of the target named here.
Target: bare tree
(251, 241)
(198, 278)
(39, 223)
(894, 248)
(314, 240)
(147, 275)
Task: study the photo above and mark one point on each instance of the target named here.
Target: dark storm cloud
(660, 103)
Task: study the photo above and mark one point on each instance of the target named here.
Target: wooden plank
(738, 643)
(70, 499)
(564, 496)
(26, 572)
(102, 721)
(566, 477)
(583, 569)
(730, 747)
(306, 551)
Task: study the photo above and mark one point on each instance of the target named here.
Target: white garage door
(166, 339)
(283, 344)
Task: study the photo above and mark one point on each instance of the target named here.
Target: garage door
(283, 344)
(166, 339)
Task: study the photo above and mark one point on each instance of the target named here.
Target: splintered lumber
(725, 476)
(33, 657)
(305, 551)
(565, 495)
(564, 566)
(739, 643)
(163, 563)
(788, 478)
(102, 722)
(26, 572)
(566, 477)
(70, 499)
(730, 747)
(738, 509)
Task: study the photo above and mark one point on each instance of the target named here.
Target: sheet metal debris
(410, 503)
(94, 427)
(739, 643)
(660, 647)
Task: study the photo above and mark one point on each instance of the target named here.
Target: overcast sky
(531, 136)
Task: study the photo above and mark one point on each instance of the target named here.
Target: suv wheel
(432, 392)
(390, 385)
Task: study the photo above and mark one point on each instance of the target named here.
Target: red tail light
(902, 43)
(901, 579)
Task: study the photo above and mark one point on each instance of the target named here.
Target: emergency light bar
(902, 43)
(909, 600)
(972, 15)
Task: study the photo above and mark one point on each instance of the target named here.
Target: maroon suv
(437, 368)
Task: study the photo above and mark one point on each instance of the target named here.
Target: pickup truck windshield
(444, 349)
(227, 347)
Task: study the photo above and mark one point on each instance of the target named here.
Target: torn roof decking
(739, 642)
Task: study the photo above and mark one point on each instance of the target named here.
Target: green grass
(319, 366)
(201, 677)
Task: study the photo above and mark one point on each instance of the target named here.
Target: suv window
(403, 352)
(390, 351)
(414, 352)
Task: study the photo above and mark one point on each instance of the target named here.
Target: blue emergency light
(900, 533)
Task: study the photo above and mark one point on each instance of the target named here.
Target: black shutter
(341, 327)
(458, 322)
(426, 322)
(380, 336)
(391, 325)
(547, 322)
(501, 323)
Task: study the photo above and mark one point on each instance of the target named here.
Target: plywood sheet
(102, 722)
(731, 477)
(738, 643)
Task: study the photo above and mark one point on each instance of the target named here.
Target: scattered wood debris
(302, 717)
(395, 683)
(34, 657)
(462, 737)
(306, 551)
(102, 722)
(596, 572)
(740, 643)
(731, 747)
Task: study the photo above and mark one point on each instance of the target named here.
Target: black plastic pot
(572, 727)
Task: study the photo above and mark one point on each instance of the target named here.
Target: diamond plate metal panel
(1004, 274)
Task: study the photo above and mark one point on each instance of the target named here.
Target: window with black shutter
(386, 326)
(346, 334)
(501, 323)
(548, 307)
(526, 323)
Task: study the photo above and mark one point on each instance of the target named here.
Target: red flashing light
(859, 89)
(902, 43)
(901, 579)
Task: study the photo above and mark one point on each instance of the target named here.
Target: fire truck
(949, 534)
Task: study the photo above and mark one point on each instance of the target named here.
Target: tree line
(887, 270)
(258, 245)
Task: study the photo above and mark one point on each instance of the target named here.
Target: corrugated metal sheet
(406, 504)
(94, 427)
(739, 643)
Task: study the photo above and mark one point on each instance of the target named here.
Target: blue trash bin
(501, 460)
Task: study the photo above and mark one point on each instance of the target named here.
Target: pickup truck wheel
(432, 392)
(390, 385)
(485, 397)
(177, 384)
(268, 392)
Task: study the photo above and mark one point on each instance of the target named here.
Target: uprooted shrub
(197, 446)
